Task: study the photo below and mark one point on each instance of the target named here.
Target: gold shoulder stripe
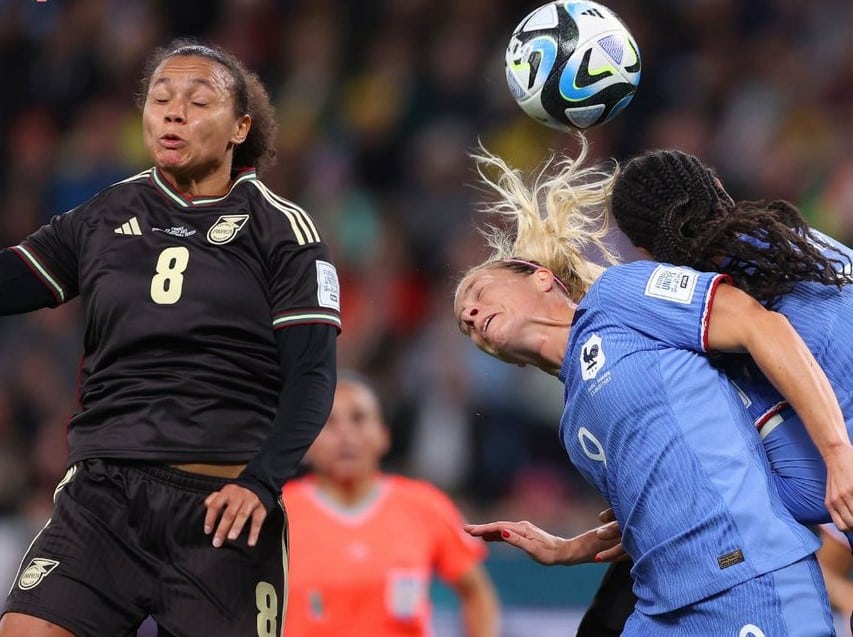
(302, 224)
(304, 216)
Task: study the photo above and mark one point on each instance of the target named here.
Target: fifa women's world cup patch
(328, 288)
(672, 284)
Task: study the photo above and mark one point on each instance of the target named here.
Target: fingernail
(217, 542)
(598, 558)
(505, 534)
(207, 530)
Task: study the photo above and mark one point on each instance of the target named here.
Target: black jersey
(180, 299)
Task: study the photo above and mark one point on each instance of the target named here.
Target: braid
(672, 205)
(770, 248)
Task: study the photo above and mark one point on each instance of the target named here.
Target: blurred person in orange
(367, 544)
(209, 357)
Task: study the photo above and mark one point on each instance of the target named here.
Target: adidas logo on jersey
(130, 227)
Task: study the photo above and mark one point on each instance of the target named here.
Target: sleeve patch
(672, 284)
(328, 288)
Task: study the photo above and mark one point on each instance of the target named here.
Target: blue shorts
(788, 602)
(797, 467)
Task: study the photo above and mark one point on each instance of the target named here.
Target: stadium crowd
(380, 103)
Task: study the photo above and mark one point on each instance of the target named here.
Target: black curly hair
(672, 205)
(250, 98)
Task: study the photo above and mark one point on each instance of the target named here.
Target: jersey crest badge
(592, 357)
(36, 571)
(226, 228)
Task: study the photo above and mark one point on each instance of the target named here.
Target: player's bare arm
(738, 322)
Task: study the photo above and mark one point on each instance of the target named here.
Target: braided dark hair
(670, 204)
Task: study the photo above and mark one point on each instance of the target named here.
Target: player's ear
(544, 279)
(241, 129)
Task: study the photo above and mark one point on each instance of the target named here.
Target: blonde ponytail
(554, 221)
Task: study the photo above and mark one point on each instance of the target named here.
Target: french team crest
(592, 357)
(226, 228)
(36, 571)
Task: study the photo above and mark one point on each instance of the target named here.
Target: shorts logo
(672, 284)
(730, 559)
(36, 571)
(226, 228)
(592, 357)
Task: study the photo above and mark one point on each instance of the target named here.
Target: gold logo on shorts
(36, 571)
(730, 559)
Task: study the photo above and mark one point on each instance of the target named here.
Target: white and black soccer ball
(572, 64)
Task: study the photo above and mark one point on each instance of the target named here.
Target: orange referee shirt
(367, 572)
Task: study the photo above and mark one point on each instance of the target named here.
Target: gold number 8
(167, 284)
(266, 599)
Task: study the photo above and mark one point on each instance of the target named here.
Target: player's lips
(486, 323)
(171, 141)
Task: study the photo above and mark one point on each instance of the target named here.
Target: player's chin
(172, 160)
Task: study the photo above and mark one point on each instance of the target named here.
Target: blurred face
(495, 308)
(354, 438)
(188, 119)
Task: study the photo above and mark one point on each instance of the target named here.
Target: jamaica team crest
(226, 228)
(36, 571)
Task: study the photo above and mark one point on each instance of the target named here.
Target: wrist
(838, 449)
(566, 552)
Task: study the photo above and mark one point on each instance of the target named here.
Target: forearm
(479, 606)
(308, 355)
(788, 364)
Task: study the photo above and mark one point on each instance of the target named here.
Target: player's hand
(541, 546)
(607, 516)
(839, 486)
(612, 533)
(233, 506)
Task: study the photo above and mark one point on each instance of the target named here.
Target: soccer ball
(572, 64)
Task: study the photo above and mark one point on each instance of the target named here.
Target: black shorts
(126, 541)
(612, 605)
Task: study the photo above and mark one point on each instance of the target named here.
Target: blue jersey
(664, 437)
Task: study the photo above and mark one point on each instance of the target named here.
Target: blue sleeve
(668, 304)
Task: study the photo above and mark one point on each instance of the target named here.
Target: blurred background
(379, 104)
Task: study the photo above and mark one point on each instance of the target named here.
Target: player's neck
(349, 493)
(211, 184)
